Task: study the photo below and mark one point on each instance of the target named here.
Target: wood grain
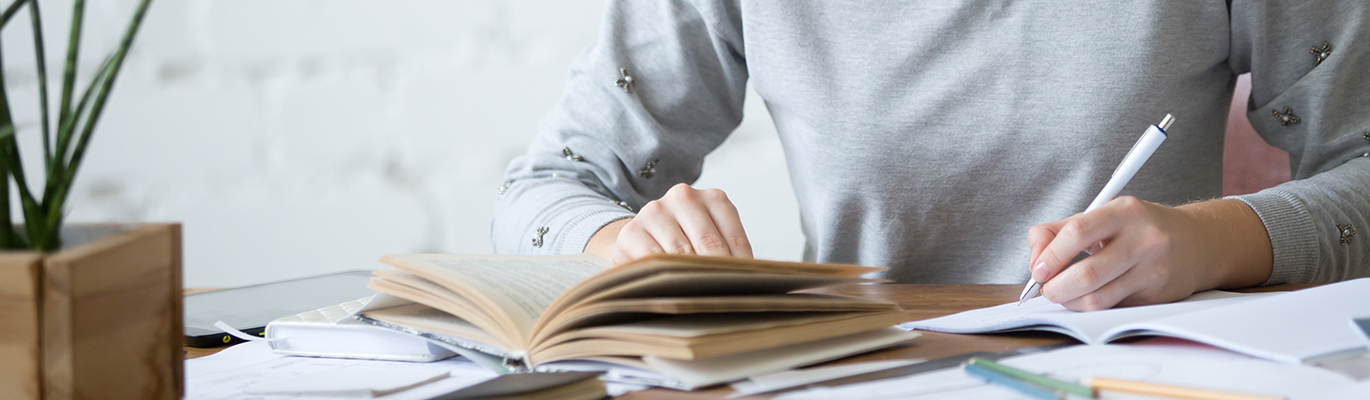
(21, 355)
(112, 317)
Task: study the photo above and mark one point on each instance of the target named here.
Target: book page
(699, 325)
(710, 371)
(1088, 327)
(618, 311)
(520, 286)
(625, 274)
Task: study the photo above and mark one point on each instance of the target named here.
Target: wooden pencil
(1177, 392)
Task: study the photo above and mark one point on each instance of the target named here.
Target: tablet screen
(250, 308)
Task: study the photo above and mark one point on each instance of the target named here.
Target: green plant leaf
(55, 213)
(40, 58)
(57, 171)
(9, 11)
(33, 214)
(69, 74)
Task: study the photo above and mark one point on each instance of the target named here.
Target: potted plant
(86, 311)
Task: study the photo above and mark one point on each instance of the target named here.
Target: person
(934, 137)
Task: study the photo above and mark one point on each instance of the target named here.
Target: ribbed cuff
(546, 216)
(1291, 231)
(582, 227)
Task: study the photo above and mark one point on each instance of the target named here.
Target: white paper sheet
(350, 382)
(1167, 361)
(1354, 391)
(1294, 327)
(800, 377)
(1088, 327)
(225, 375)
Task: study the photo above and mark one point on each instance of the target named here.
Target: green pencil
(1036, 379)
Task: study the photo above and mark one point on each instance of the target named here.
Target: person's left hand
(1151, 253)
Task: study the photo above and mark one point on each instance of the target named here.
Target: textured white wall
(301, 137)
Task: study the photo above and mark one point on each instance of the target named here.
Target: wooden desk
(921, 302)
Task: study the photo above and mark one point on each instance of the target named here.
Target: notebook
(1293, 327)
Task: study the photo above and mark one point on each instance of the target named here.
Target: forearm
(1235, 246)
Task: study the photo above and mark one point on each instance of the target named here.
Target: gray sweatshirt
(928, 136)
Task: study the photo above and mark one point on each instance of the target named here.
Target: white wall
(299, 137)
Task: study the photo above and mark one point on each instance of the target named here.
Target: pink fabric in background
(1249, 164)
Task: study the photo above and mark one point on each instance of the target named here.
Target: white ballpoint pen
(1151, 139)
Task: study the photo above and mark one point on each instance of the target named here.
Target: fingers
(1111, 294)
(684, 221)
(1076, 234)
(634, 242)
(730, 225)
(1038, 238)
(1090, 274)
(661, 225)
(699, 227)
(1137, 258)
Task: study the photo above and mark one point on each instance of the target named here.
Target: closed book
(328, 332)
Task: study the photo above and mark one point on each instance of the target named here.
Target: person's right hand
(684, 221)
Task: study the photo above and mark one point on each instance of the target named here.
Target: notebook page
(1293, 327)
(1089, 327)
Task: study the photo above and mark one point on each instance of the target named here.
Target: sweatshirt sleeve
(662, 87)
(1310, 95)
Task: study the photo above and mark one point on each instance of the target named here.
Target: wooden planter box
(100, 319)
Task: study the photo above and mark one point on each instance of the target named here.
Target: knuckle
(652, 207)
(714, 196)
(1156, 241)
(739, 242)
(1130, 205)
(1157, 275)
(680, 191)
(679, 247)
(1087, 275)
(709, 242)
(1075, 229)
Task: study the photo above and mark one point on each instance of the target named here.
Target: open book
(653, 314)
(1294, 327)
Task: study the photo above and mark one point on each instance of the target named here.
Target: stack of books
(675, 321)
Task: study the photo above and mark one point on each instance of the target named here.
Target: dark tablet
(250, 308)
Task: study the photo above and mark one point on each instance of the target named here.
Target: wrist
(1234, 249)
(603, 242)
